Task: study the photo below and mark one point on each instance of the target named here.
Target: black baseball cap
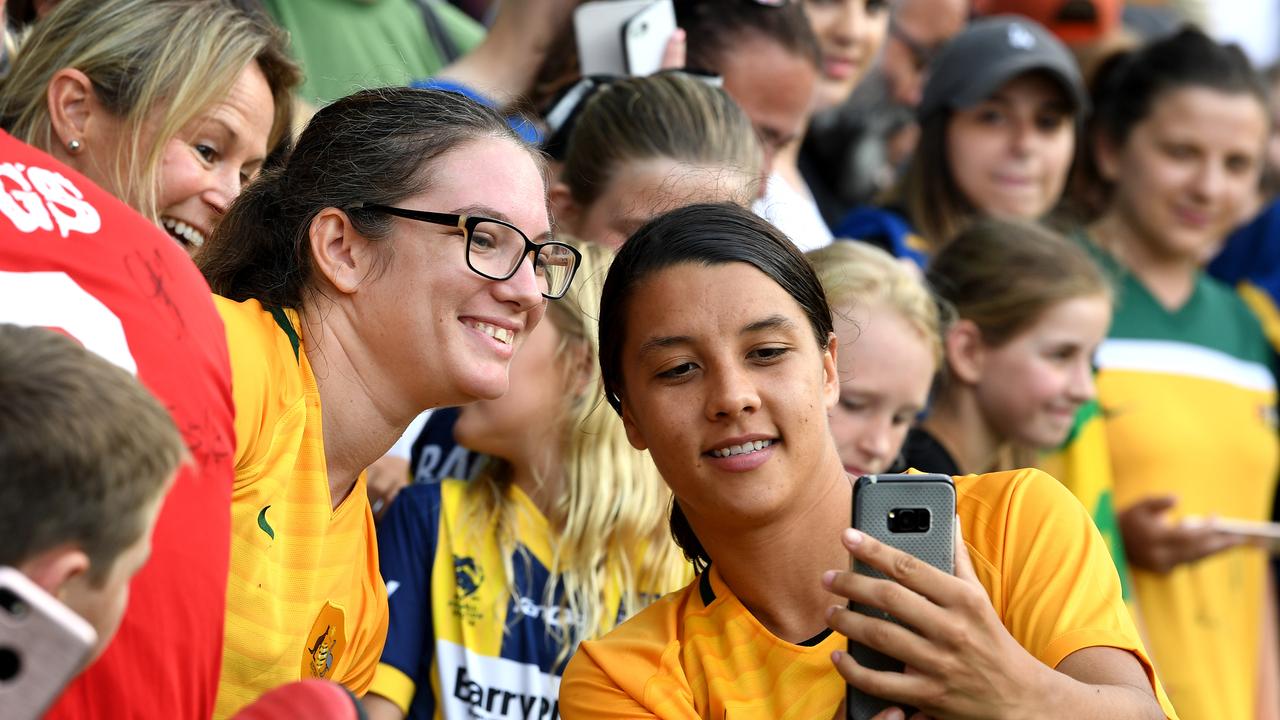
(989, 53)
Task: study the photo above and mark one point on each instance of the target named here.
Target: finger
(892, 686)
(903, 603)
(963, 564)
(908, 570)
(1157, 505)
(892, 713)
(673, 56)
(886, 637)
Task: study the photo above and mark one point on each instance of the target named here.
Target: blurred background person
(1185, 377)
(560, 536)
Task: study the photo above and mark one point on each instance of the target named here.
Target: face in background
(886, 369)
(919, 28)
(1010, 153)
(437, 331)
(641, 190)
(1187, 172)
(716, 361)
(774, 87)
(528, 415)
(103, 604)
(203, 166)
(1031, 387)
(850, 33)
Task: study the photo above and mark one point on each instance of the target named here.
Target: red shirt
(76, 258)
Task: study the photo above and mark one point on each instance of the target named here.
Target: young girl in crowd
(559, 536)
(890, 349)
(716, 348)
(1184, 377)
(997, 138)
(375, 251)
(172, 106)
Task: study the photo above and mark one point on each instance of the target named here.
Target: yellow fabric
(1202, 619)
(1033, 547)
(1262, 305)
(304, 595)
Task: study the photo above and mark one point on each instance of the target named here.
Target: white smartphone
(43, 645)
(1261, 534)
(645, 37)
(598, 28)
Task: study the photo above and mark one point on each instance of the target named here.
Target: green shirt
(348, 45)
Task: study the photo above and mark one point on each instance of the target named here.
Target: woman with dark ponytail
(393, 262)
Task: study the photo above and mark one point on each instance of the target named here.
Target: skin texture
(886, 368)
(717, 354)
(775, 89)
(203, 166)
(1010, 154)
(643, 189)
(929, 24)
(383, 310)
(850, 33)
(1184, 177)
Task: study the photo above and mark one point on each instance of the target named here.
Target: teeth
(502, 335)
(747, 447)
(182, 230)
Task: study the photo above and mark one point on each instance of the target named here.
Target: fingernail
(832, 611)
(828, 577)
(836, 655)
(895, 714)
(851, 536)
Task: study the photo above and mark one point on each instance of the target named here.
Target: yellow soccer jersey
(304, 595)
(698, 653)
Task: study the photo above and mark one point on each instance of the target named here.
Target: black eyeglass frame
(467, 224)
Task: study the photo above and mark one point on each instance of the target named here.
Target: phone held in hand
(622, 37)
(914, 513)
(43, 644)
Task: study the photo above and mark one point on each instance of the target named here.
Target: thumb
(673, 57)
(1158, 505)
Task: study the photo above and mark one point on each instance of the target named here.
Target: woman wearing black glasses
(393, 263)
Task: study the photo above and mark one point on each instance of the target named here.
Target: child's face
(1032, 386)
(103, 605)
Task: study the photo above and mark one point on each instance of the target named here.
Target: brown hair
(1002, 275)
(375, 146)
(934, 203)
(84, 450)
(178, 57)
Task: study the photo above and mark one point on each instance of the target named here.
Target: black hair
(714, 27)
(707, 235)
(1128, 87)
(374, 146)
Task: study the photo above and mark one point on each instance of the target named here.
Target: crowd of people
(413, 373)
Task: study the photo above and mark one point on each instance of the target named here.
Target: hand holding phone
(623, 37)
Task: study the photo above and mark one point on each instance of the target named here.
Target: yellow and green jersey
(700, 653)
(1188, 401)
(304, 595)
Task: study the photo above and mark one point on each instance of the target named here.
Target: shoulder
(1001, 510)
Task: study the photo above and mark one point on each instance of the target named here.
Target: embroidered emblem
(325, 643)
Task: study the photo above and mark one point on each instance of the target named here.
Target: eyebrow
(772, 322)
(496, 214)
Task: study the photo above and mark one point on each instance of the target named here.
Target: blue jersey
(461, 643)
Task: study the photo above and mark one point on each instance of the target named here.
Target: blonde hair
(610, 517)
(855, 273)
(668, 115)
(177, 57)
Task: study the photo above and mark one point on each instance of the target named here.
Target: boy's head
(86, 456)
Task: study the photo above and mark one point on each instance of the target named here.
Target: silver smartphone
(645, 37)
(43, 645)
(914, 513)
(599, 28)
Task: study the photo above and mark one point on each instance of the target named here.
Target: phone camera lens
(12, 604)
(10, 664)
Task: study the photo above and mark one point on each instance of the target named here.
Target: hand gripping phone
(914, 513)
(623, 37)
(645, 37)
(43, 644)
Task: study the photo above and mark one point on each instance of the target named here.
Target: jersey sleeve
(407, 541)
(599, 684)
(248, 386)
(1061, 592)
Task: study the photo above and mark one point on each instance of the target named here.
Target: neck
(787, 166)
(542, 479)
(957, 422)
(360, 426)
(1170, 278)
(775, 568)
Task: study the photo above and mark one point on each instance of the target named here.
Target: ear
(339, 253)
(564, 209)
(52, 569)
(966, 352)
(830, 373)
(1106, 156)
(633, 433)
(72, 104)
